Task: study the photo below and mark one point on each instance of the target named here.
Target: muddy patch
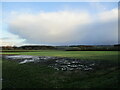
(58, 63)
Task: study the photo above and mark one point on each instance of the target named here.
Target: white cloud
(66, 27)
(109, 15)
(9, 39)
(48, 27)
(8, 42)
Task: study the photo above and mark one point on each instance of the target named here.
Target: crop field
(36, 75)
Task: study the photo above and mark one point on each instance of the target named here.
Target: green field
(90, 55)
(33, 75)
(0, 73)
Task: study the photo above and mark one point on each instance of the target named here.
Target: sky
(59, 23)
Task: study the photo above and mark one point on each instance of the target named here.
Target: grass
(89, 55)
(0, 73)
(32, 75)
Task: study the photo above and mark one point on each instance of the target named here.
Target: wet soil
(58, 63)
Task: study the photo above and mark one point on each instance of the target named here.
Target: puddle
(58, 63)
(26, 61)
(1, 79)
(19, 57)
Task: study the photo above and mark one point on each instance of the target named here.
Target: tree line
(66, 48)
